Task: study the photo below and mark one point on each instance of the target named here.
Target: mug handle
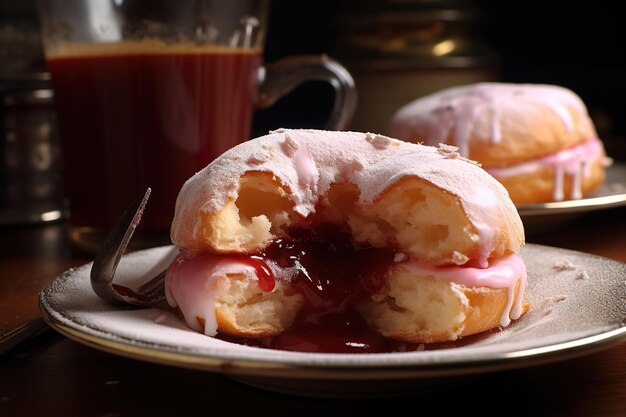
(279, 78)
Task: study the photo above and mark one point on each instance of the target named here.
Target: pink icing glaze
(456, 112)
(501, 273)
(306, 170)
(193, 284)
(574, 161)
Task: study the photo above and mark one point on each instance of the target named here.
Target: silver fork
(108, 258)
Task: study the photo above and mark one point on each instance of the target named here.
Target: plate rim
(248, 367)
(481, 363)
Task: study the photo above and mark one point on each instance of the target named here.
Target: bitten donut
(537, 140)
(302, 232)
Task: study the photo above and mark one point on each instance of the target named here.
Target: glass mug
(148, 92)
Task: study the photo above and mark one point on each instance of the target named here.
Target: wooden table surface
(50, 375)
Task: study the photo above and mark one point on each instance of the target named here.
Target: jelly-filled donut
(537, 140)
(342, 241)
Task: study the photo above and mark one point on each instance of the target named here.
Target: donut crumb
(289, 146)
(379, 142)
(452, 152)
(459, 258)
(582, 275)
(449, 151)
(471, 161)
(258, 159)
(160, 319)
(357, 164)
(550, 302)
(564, 266)
(400, 257)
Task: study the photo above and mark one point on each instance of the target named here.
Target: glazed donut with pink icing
(537, 140)
(342, 241)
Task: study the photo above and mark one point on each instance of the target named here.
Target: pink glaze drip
(193, 283)
(305, 167)
(465, 113)
(501, 273)
(496, 132)
(575, 162)
(484, 229)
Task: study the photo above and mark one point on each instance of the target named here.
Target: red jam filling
(264, 274)
(332, 274)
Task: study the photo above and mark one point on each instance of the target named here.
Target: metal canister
(30, 156)
(399, 51)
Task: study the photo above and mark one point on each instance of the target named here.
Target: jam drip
(331, 273)
(264, 274)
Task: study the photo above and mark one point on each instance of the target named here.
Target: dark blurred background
(574, 45)
(397, 50)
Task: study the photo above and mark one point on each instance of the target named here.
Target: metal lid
(27, 98)
(27, 81)
(396, 34)
(370, 13)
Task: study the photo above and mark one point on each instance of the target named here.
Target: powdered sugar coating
(316, 159)
(454, 112)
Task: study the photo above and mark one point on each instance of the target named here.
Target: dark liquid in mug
(138, 119)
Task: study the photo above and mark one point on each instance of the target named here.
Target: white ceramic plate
(574, 312)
